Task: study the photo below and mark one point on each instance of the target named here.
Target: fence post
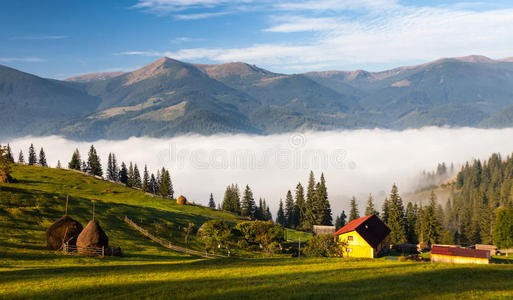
(103, 251)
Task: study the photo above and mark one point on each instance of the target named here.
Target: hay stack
(65, 230)
(181, 200)
(92, 236)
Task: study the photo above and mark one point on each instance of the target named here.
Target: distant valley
(170, 97)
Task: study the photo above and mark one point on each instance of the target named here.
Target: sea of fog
(354, 162)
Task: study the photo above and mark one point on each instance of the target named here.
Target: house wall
(458, 259)
(358, 247)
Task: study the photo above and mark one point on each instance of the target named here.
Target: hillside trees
(503, 233)
(21, 158)
(341, 220)
(211, 202)
(231, 201)
(5, 165)
(354, 213)
(94, 166)
(431, 223)
(247, 207)
(395, 220)
(370, 210)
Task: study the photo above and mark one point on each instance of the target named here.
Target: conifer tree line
(33, 158)
(244, 206)
(411, 224)
(303, 209)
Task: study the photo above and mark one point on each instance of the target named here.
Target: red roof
(370, 228)
(459, 251)
(352, 225)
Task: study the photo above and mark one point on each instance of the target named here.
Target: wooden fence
(91, 251)
(167, 244)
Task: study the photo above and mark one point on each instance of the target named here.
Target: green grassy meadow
(28, 270)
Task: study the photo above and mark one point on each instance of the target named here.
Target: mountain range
(170, 97)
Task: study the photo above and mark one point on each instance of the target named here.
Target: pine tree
(384, 211)
(231, 201)
(411, 222)
(137, 177)
(146, 180)
(431, 226)
(300, 203)
(324, 211)
(309, 218)
(247, 207)
(42, 158)
(154, 187)
(341, 220)
(354, 213)
(370, 210)
(259, 212)
(32, 159)
(85, 167)
(396, 221)
(9, 155)
(131, 176)
(75, 163)
(112, 168)
(21, 158)
(503, 233)
(165, 184)
(280, 216)
(211, 202)
(94, 165)
(123, 174)
(289, 210)
(59, 164)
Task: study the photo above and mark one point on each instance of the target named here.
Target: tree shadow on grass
(325, 284)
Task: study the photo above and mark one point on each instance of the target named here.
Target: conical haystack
(181, 200)
(92, 236)
(65, 230)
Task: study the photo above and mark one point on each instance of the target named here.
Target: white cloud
(355, 162)
(21, 59)
(200, 16)
(381, 32)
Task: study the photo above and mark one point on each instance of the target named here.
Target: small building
(364, 237)
(321, 229)
(459, 255)
(491, 248)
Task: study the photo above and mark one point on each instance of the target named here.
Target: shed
(491, 248)
(459, 255)
(322, 229)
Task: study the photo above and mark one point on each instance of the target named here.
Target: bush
(267, 235)
(214, 234)
(323, 245)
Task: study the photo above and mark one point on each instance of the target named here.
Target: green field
(147, 270)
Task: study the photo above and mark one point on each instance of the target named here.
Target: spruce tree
(341, 220)
(396, 221)
(247, 207)
(59, 164)
(211, 202)
(354, 213)
(32, 159)
(431, 226)
(137, 177)
(385, 210)
(94, 165)
(370, 210)
(231, 201)
(280, 216)
(130, 180)
(146, 180)
(289, 210)
(123, 174)
(324, 211)
(154, 187)
(9, 155)
(42, 158)
(503, 232)
(411, 222)
(21, 158)
(85, 167)
(75, 163)
(165, 184)
(309, 218)
(300, 203)
(112, 168)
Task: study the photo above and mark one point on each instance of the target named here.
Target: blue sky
(59, 39)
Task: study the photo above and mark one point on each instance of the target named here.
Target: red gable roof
(459, 251)
(370, 228)
(352, 225)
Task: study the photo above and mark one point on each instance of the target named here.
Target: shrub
(214, 234)
(267, 235)
(323, 245)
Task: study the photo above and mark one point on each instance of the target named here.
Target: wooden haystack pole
(91, 237)
(65, 230)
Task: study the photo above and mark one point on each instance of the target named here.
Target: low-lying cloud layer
(355, 162)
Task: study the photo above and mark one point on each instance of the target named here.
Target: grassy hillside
(28, 270)
(32, 204)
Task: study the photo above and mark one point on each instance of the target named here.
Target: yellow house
(364, 237)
